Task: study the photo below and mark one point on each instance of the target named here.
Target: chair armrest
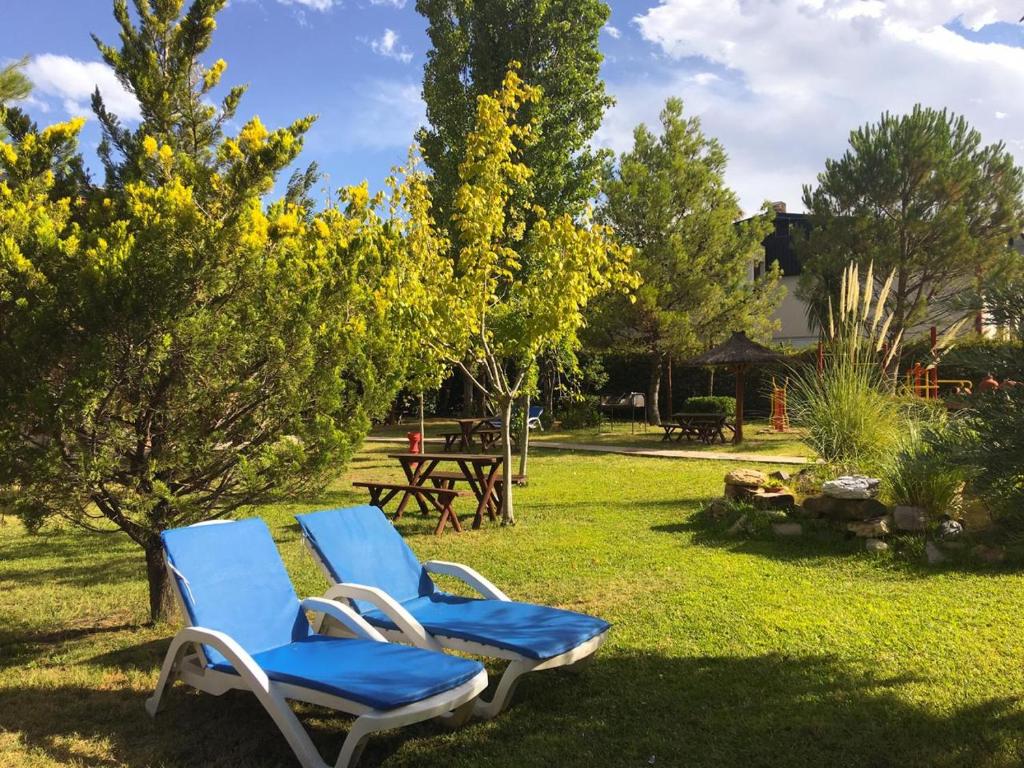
(467, 575)
(394, 610)
(345, 615)
(227, 647)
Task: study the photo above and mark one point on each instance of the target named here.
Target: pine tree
(668, 199)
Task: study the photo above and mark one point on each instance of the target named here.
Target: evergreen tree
(556, 46)
(919, 195)
(173, 349)
(668, 199)
(13, 86)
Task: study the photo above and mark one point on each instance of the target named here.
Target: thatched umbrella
(738, 353)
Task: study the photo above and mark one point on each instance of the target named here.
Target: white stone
(875, 545)
(851, 487)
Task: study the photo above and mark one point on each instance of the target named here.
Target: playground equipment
(924, 381)
(780, 417)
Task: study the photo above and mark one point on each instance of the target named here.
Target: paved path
(660, 453)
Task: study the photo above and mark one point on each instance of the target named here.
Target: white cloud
(613, 32)
(390, 117)
(387, 45)
(393, 3)
(73, 82)
(795, 76)
(316, 5)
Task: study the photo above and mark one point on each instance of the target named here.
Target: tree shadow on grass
(769, 710)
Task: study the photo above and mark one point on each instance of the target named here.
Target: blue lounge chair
(532, 421)
(371, 565)
(248, 630)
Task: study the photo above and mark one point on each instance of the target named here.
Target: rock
(950, 529)
(934, 554)
(816, 506)
(776, 500)
(870, 529)
(910, 519)
(875, 545)
(991, 555)
(748, 478)
(851, 487)
(787, 529)
(740, 492)
(781, 475)
(844, 509)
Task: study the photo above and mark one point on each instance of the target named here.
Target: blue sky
(780, 82)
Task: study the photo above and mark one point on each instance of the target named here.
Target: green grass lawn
(724, 653)
(758, 438)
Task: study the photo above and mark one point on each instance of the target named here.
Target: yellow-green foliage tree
(172, 348)
(514, 290)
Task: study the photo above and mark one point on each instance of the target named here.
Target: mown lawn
(724, 653)
(758, 438)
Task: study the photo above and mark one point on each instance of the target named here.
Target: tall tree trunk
(161, 601)
(524, 441)
(711, 381)
(508, 516)
(654, 390)
(468, 395)
(669, 410)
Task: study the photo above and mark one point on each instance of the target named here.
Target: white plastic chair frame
(411, 632)
(192, 668)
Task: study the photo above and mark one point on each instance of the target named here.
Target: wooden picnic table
(479, 470)
(468, 430)
(706, 427)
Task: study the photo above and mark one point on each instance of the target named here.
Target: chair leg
(354, 744)
(487, 710)
(458, 716)
(168, 674)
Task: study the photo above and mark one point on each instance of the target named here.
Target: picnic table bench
(706, 427)
(441, 498)
(471, 431)
(457, 441)
(479, 470)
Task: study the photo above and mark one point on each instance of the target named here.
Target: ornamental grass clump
(851, 410)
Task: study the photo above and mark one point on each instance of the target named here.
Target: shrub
(921, 474)
(710, 404)
(581, 414)
(972, 359)
(988, 442)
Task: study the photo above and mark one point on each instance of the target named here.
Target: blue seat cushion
(379, 675)
(533, 631)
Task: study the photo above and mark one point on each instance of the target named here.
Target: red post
(415, 442)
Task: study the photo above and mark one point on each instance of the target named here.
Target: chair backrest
(231, 579)
(536, 411)
(359, 545)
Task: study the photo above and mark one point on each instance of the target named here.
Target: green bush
(974, 358)
(987, 441)
(710, 404)
(922, 475)
(581, 414)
